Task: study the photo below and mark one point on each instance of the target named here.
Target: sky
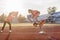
(22, 6)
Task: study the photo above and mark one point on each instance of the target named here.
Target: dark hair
(38, 12)
(29, 10)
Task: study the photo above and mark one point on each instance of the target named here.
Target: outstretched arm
(29, 18)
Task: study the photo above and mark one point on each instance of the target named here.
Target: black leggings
(5, 24)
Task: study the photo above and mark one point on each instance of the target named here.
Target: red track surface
(30, 33)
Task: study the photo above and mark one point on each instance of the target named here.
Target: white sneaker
(10, 31)
(41, 32)
(1, 31)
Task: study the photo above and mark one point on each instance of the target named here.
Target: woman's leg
(9, 26)
(3, 25)
(41, 23)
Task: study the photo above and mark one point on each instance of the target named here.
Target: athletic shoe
(10, 31)
(1, 31)
(41, 32)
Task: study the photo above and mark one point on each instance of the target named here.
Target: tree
(2, 17)
(21, 18)
(51, 10)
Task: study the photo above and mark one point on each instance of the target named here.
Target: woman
(37, 18)
(8, 20)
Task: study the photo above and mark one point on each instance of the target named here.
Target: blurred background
(7, 6)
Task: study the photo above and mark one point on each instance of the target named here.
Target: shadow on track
(7, 38)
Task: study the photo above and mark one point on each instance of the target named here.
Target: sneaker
(10, 31)
(1, 31)
(41, 32)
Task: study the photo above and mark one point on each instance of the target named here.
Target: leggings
(5, 24)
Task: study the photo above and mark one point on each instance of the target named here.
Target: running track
(30, 33)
